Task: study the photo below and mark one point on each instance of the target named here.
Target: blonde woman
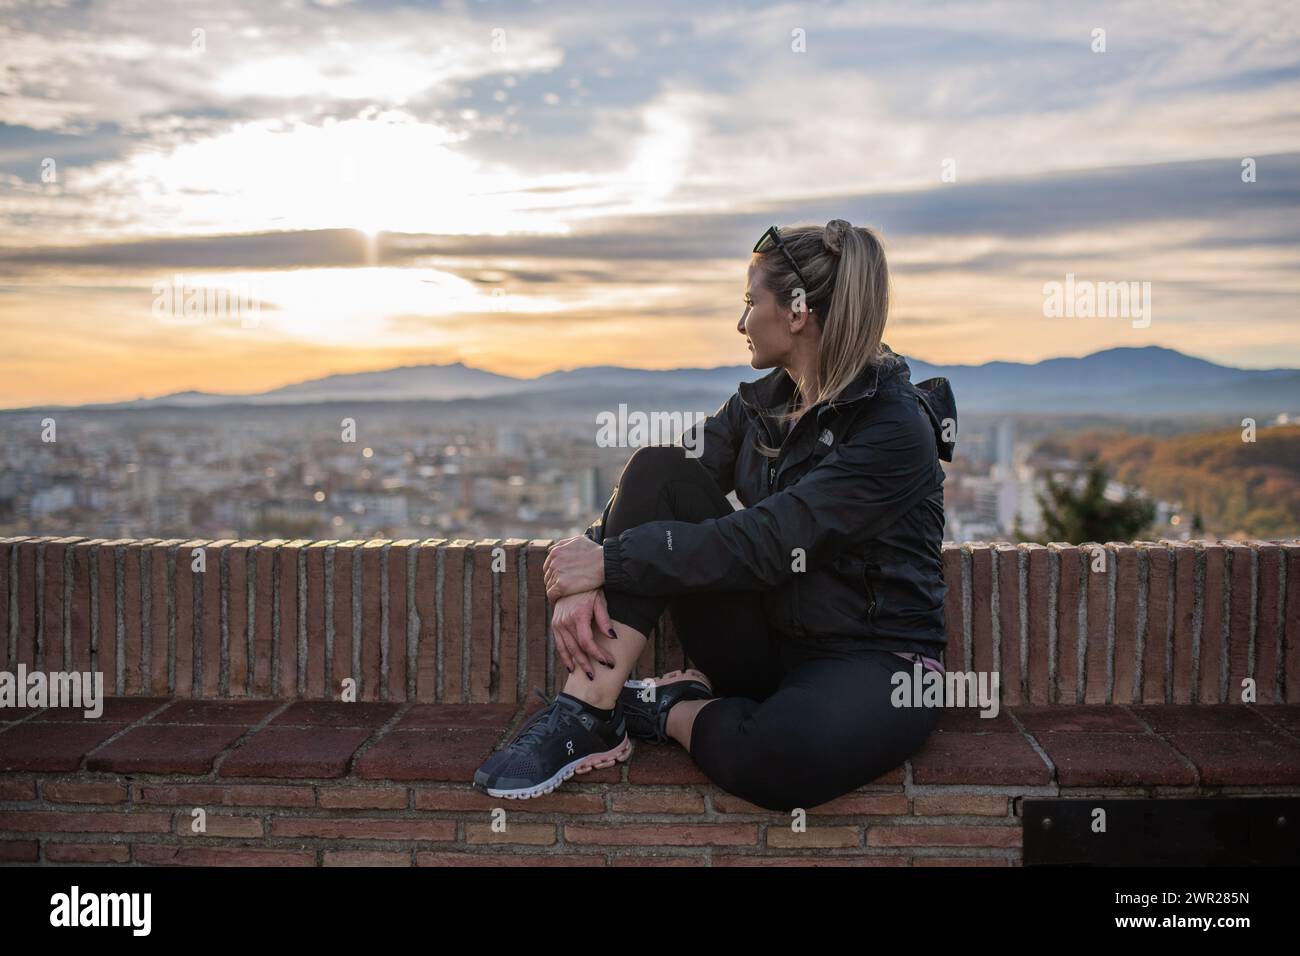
(796, 609)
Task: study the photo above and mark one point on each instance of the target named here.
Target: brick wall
(468, 621)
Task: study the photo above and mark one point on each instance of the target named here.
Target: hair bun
(833, 235)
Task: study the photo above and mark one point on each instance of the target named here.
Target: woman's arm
(855, 492)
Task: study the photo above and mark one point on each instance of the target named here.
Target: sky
(232, 197)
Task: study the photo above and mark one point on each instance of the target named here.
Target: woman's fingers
(587, 642)
(600, 611)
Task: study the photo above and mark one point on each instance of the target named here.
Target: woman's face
(765, 325)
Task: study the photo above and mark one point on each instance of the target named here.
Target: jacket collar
(772, 392)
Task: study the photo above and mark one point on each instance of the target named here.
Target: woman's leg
(723, 633)
(828, 729)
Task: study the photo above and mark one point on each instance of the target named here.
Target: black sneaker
(646, 702)
(558, 741)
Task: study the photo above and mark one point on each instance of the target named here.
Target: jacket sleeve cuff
(615, 577)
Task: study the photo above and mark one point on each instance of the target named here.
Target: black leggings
(797, 722)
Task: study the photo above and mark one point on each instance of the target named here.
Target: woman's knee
(655, 464)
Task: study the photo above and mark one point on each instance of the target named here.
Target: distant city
(412, 472)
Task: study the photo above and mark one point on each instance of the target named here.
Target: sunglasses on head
(775, 235)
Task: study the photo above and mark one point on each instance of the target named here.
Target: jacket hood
(941, 405)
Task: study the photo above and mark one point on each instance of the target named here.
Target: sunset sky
(541, 185)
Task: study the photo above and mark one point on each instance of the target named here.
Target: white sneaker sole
(582, 765)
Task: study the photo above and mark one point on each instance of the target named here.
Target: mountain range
(1124, 381)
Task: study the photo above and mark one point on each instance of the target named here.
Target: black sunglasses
(775, 235)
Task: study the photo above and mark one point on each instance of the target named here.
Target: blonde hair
(849, 297)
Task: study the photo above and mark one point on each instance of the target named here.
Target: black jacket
(857, 486)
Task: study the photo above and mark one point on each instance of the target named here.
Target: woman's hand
(574, 565)
(571, 624)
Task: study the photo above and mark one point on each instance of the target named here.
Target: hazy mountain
(1133, 381)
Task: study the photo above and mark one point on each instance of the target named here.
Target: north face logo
(826, 438)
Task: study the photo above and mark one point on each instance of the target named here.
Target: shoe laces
(543, 722)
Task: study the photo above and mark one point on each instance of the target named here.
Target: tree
(1085, 514)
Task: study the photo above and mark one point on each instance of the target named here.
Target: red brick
(1039, 649)
(1097, 650)
(293, 752)
(1126, 634)
(1071, 565)
(334, 713)
(1269, 655)
(364, 798)
(994, 759)
(346, 554)
(372, 556)
(364, 828)
(810, 860)
(25, 603)
(17, 788)
(455, 558)
(664, 834)
(442, 754)
(1291, 666)
(266, 586)
(426, 607)
(8, 551)
(507, 859)
(661, 765)
(51, 746)
(162, 560)
(105, 651)
(955, 654)
(188, 628)
(1079, 717)
(657, 801)
(479, 716)
(930, 835)
(1155, 671)
(79, 608)
(241, 713)
(522, 834)
(538, 609)
(238, 558)
(219, 825)
(817, 837)
(507, 668)
(156, 854)
(116, 710)
(240, 795)
(981, 576)
(960, 804)
(315, 617)
(88, 821)
(57, 852)
(649, 859)
(1085, 759)
(71, 791)
(19, 851)
(286, 678)
(1209, 690)
(1226, 718)
(51, 621)
(557, 801)
(164, 749)
(366, 858)
(482, 608)
(959, 861)
(395, 684)
(1241, 759)
(1184, 557)
(210, 624)
(1241, 573)
(1007, 557)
